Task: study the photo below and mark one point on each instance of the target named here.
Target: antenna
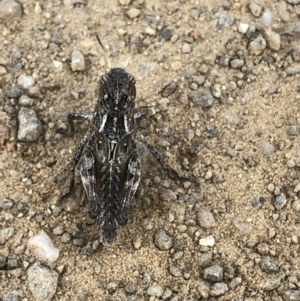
(105, 53)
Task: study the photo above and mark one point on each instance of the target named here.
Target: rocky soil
(222, 81)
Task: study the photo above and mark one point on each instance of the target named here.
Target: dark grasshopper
(107, 155)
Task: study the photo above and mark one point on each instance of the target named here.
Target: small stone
(137, 243)
(216, 91)
(267, 266)
(175, 271)
(25, 101)
(2, 70)
(271, 284)
(30, 127)
(205, 259)
(257, 46)
(25, 81)
(43, 248)
(42, 282)
(255, 9)
(6, 234)
(155, 290)
(280, 201)
(203, 289)
(293, 130)
(294, 2)
(169, 89)
(130, 288)
(206, 219)
(235, 282)
(257, 202)
(59, 230)
(273, 39)
(208, 241)
(241, 225)
(243, 27)
(10, 9)
(112, 287)
(222, 20)
(66, 237)
(291, 163)
(218, 289)
(176, 66)
(291, 295)
(186, 48)
(214, 273)
(271, 187)
(293, 69)
(166, 33)
(14, 91)
(2, 261)
(6, 203)
(10, 297)
(77, 61)
(237, 63)
(162, 241)
(57, 65)
(148, 224)
(12, 263)
(168, 195)
(133, 13)
(267, 149)
(204, 99)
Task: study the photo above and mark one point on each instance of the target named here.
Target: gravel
(77, 61)
(6, 203)
(203, 99)
(213, 273)
(163, 241)
(30, 127)
(280, 201)
(6, 234)
(42, 282)
(155, 290)
(206, 219)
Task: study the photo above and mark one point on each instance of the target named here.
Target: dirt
(239, 147)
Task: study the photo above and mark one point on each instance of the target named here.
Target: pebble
(10, 297)
(206, 219)
(255, 9)
(186, 48)
(42, 282)
(222, 20)
(295, 69)
(10, 9)
(155, 290)
(204, 99)
(112, 287)
(273, 39)
(2, 70)
(267, 266)
(235, 282)
(4, 134)
(169, 89)
(271, 284)
(43, 248)
(77, 61)
(176, 66)
(6, 234)
(257, 202)
(133, 13)
(30, 127)
(59, 230)
(241, 225)
(291, 163)
(12, 263)
(214, 273)
(175, 271)
(243, 27)
(208, 241)
(25, 101)
(14, 91)
(294, 2)
(280, 201)
(216, 90)
(167, 195)
(162, 241)
(6, 203)
(291, 295)
(26, 81)
(130, 288)
(267, 149)
(218, 289)
(137, 243)
(237, 63)
(2, 261)
(166, 33)
(257, 46)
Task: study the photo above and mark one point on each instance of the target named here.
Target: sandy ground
(245, 144)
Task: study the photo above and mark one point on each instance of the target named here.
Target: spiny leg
(162, 160)
(88, 178)
(131, 185)
(74, 162)
(71, 117)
